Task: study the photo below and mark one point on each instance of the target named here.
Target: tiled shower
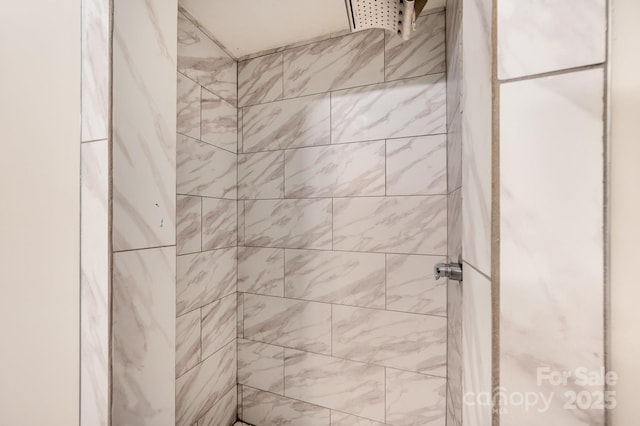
(264, 228)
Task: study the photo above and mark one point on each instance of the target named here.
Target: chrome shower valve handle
(448, 270)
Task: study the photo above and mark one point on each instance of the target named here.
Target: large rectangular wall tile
(240, 143)
(188, 107)
(454, 153)
(393, 224)
(205, 62)
(335, 171)
(454, 353)
(454, 228)
(265, 408)
(342, 419)
(292, 323)
(417, 166)
(260, 80)
(546, 280)
(144, 123)
(224, 412)
(240, 223)
(533, 40)
(218, 324)
(416, 399)
(143, 337)
(352, 387)
(261, 271)
(336, 277)
(261, 175)
(240, 310)
(219, 223)
(411, 286)
(205, 170)
(95, 69)
(189, 224)
(205, 277)
(423, 54)
(338, 63)
(261, 366)
(187, 342)
(198, 390)
(288, 223)
(287, 124)
(393, 339)
(219, 122)
(363, 113)
(94, 284)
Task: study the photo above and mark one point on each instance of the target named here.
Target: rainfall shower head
(397, 16)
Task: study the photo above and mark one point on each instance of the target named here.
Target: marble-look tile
(204, 385)
(417, 166)
(392, 339)
(454, 353)
(240, 144)
(240, 416)
(219, 223)
(364, 113)
(205, 170)
(476, 344)
(188, 107)
(548, 280)
(342, 419)
(261, 175)
(476, 143)
(260, 80)
(94, 284)
(454, 153)
(240, 316)
(336, 277)
(143, 344)
(339, 63)
(189, 224)
(265, 408)
(144, 124)
(416, 399)
(423, 54)
(187, 342)
(95, 70)
(352, 387)
(411, 286)
(205, 62)
(261, 271)
(454, 226)
(241, 223)
(219, 122)
(261, 366)
(224, 412)
(288, 223)
(291, 123)
(285, 322)
(205, 277)
(413, 225)
(453, 24)
(219, 324)
(335, 171)
(533, 39)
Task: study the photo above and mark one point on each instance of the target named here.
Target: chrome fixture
(448, 270)
(396, 16)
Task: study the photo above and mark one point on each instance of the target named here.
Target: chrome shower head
(397, 16)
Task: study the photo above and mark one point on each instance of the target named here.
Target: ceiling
(244, 27)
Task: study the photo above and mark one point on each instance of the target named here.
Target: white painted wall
(625, 208)
(39, 218)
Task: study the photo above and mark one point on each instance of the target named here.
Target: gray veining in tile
(392, 339)
(286, 322)
(417, 166)
(412, 225)
(224, 412)
(288, 223)
(339, 63)
(187, 342)
(342, 419)
(205, 277)
(364, 113)
(260, 80)
(261, 271)
(415, 399)
(219, 122)
(423, 54)
(189, 224)
(261, 175)
(241, 223)
(219, 324)
(336, 277)
(265, 408)
(188, 107)
(261, 366)
(291, 123)
(335, 171)
(219, 223)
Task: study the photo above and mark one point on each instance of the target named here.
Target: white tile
(187, 342)
(219, 324)
(219, 223)
(261, 175)
(261, 366)
(189, 224)
(416, 399)
(188, 107)
(417, 166)
(261, 271)
(219, 122)
(265, 408)
(260, 80)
